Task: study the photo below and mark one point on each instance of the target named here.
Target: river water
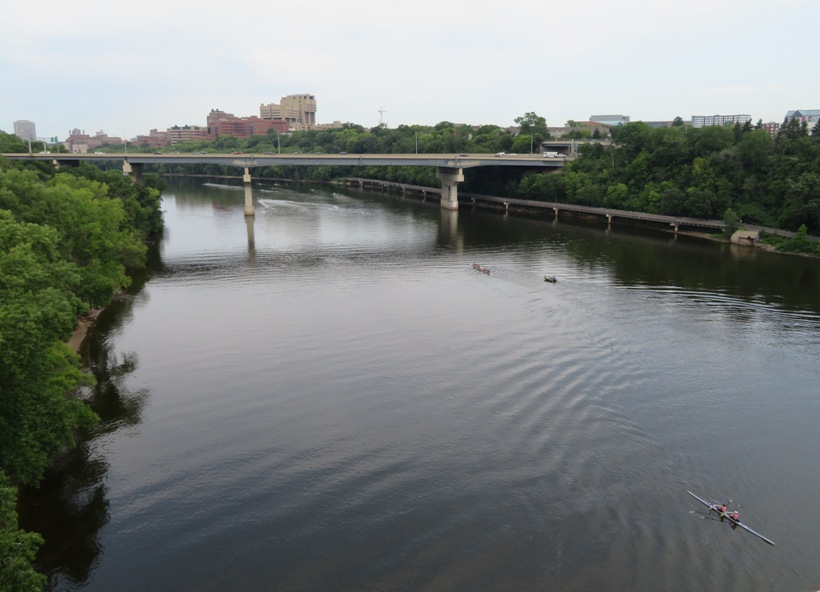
(329, 397)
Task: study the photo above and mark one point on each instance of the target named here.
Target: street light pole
(278, 145)
(417, 142)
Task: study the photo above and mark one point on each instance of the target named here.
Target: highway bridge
(449, 167)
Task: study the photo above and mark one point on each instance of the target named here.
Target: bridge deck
(460, 161)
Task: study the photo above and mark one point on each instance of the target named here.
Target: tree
(531, 123)
(17, 549)
(37, 314)
(731, 221)
(10, 143)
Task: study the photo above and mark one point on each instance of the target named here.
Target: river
(328, 397)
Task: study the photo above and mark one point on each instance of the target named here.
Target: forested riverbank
(68, 242)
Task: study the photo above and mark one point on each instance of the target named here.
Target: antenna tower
(381, 115)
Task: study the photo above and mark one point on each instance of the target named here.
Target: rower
(735, 518)
(722, 511)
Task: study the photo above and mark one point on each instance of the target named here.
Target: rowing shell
(715, 508)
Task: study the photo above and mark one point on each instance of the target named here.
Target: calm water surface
(330, 398)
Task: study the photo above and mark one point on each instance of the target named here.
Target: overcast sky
(127, 67)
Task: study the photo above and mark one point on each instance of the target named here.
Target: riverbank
(629, 218)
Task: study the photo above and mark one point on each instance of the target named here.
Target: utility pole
(381, 116)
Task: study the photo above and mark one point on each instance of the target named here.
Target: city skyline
(98, 66)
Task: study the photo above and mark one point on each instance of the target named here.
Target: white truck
(551, 155)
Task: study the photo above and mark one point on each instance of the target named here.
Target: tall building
(704, 120)
(24, 130)
(298, 110)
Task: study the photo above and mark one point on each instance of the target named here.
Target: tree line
(68, 241)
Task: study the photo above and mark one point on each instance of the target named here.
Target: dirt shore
(81, 330)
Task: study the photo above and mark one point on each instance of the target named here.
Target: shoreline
(84, 324)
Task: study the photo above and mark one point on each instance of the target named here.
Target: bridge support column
(251, 242)
(609, 220)
(450, 178)
(675, 226)
(133, 170)
(555, 211)
(246, 178)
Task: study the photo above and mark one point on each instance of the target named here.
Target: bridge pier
(133, 170)
(251, 242)
(608, 220)
(675, 226)
(450, 178)
(555, 212)
(246, 178)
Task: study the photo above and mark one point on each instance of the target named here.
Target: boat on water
(550, 278)
(481, 268)
(727, 516)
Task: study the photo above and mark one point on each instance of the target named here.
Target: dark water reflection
(70, 506)
(330, 398)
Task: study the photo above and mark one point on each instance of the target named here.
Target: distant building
(154, 139)
(610, 119)
(772, 128)
(189, 133)
(327, 126)
(580, 126)
(78, 142)
(298, 110)
(25, 130)
(810, 116)
(227, 124)
(706, 120)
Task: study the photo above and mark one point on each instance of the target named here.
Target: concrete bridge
(449, 167)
